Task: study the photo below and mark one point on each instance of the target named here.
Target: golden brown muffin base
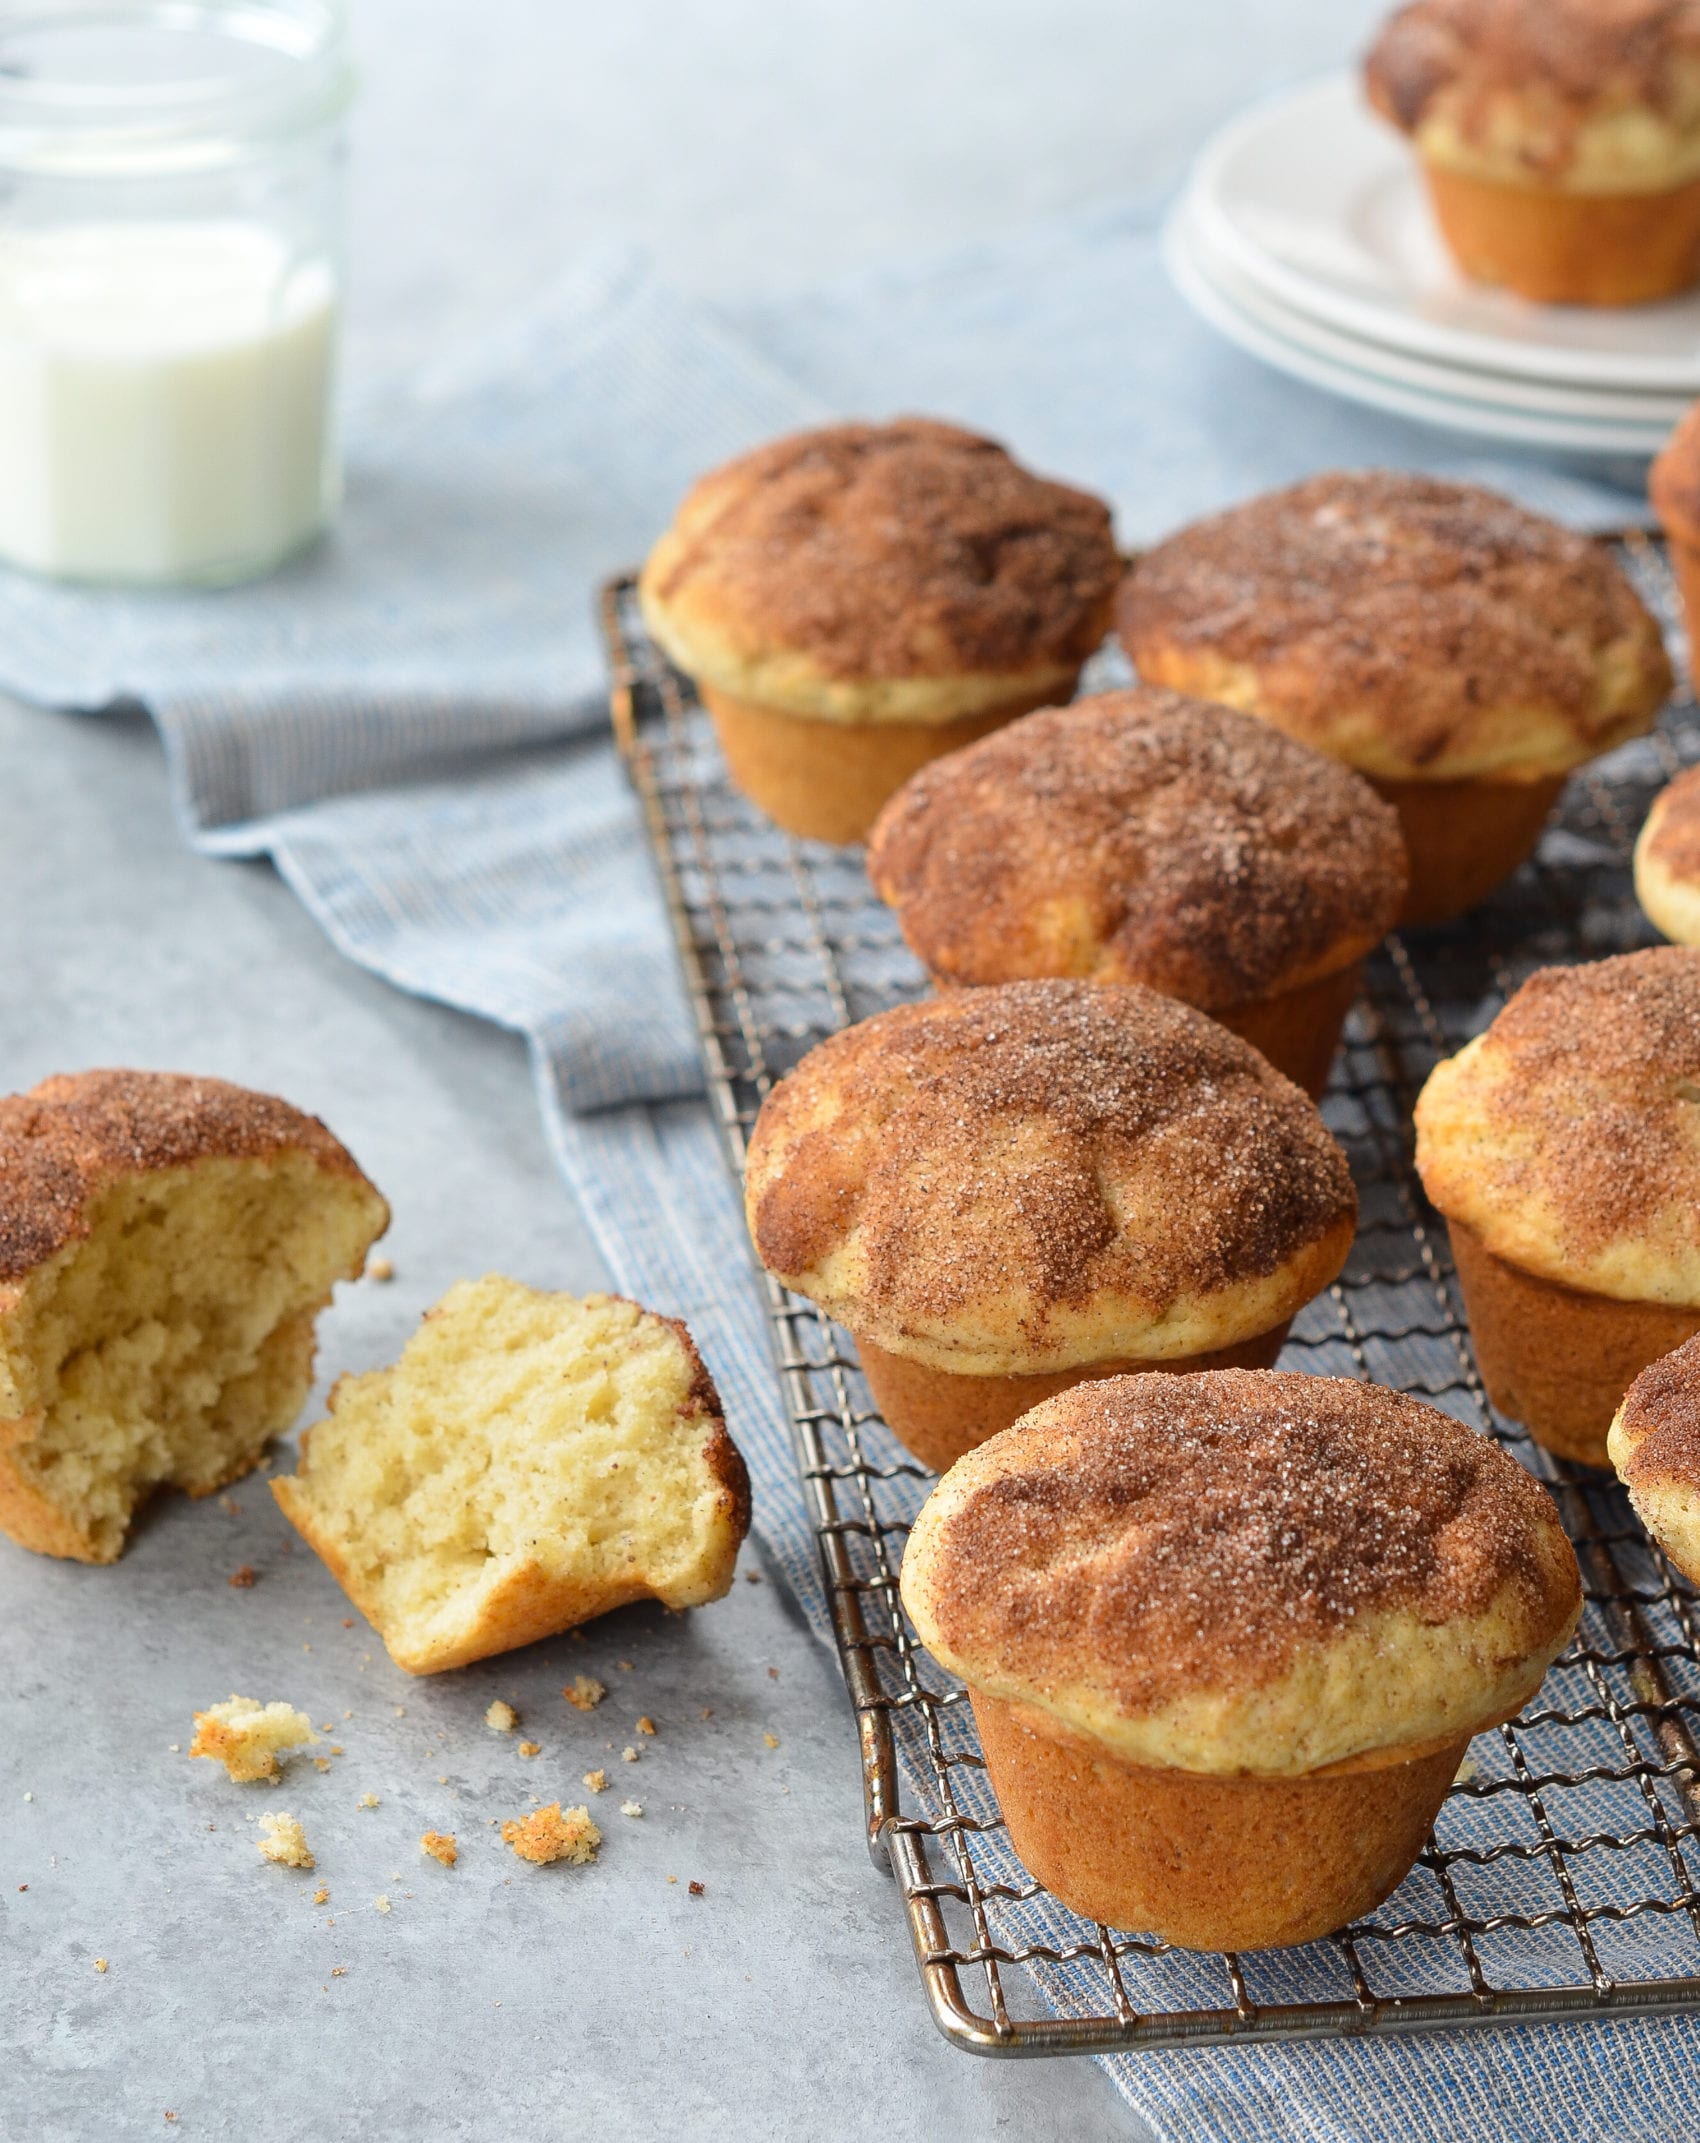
(829, 781)
(1685, 564)
(938, 1414)
(1465, 838)
(1569, 248)
(1299, 1031)
(1209, 1863)
(1555, 1358)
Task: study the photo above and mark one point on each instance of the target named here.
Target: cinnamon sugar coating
(1568, 1135)
(1667, 860)
(1244, 1571)
(1140, 837)
(1674, 485)
(1593, 95)
(1655, 1446)
(1043, 1174)
(1417, 629)
(72, 1135)
(907, 571)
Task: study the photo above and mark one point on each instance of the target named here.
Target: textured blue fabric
(411, 722)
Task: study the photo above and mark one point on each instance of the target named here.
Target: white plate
(1321, 203)
(1662, 411)
(1452, 413)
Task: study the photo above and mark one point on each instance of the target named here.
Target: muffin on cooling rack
(853, 601)
(1655, 1446)
(1004, 1191)
(1227, 1638)
(166, 1244)
(1563, 1147)
(1674, 488)
(1667, 860)
(1560, 139)
(1145, 837)
(1462, 654)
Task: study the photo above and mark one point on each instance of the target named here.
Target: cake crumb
(646, 1725)
(696, 1889)
(247, 1737)
(285, 1842)
(321, 1763)
(381, 1903)
(348, 1622)
(585, 1692)
(100, 1964)
(773, 1674)
(628, 1755)
(624, 1665)
(243, 1578)
(322, 1896)
(368, 1800)
(771, 1740)
(597, 1781)
(631, 1808)
(549, 1834)
(752, 1577)
(501, 1718)
(708, 1711)
(339, 1971)
(440, 1844)
(531, 1748)
(379, 1269)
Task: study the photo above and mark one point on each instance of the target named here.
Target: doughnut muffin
(1002, 1192)
(853, 601)
(1227, 1638)
(532, 1460)
(1145, 837)
(1655, 1447)
(166, 1244)
(1563, 1147)
(1674, 488)
(1667, 860)
(1463, 655)
(1560, 139)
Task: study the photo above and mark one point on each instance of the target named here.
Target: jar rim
(285, 71)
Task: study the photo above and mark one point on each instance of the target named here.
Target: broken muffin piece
(247, 1738)
(165, 1246)
(531, 1461)
(282, 1839)
(549, 1834)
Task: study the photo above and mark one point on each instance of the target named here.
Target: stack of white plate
(1305, 236)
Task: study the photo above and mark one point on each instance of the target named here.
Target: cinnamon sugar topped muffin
(877, 593)
(1433, 635)
(1667, 860)
(1674, 488)
(1146, 837)
(1655, 1446)
(1560, 138)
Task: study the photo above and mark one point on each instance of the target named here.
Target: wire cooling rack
(1561, 1876)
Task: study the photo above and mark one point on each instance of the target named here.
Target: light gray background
(758, 147)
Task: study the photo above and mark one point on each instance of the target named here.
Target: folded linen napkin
(411, 723)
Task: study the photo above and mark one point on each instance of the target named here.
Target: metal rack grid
(1563, 1874)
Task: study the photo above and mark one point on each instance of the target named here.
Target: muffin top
(882, 572)
(1568, 1135)
(1655, 1440)
(1140, 837)
(67, 1139)
(1674, 485)
(1244, 1571)
(1043, 1174)
(1667, 860)
(1417, 629)
(1593, 96)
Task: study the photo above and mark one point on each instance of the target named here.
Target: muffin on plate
(1227, 1638)
(1463, 655)
(1667, 860)
(1560, 139)
(1655, 1446)
(1146, 837)
(1563, 1147)
(853, 601)
(1674, 488)
(1004, 1191)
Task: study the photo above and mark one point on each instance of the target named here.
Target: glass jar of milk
(170, 228)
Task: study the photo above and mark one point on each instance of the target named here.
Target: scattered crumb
(348, 1622)
(631, 1808)
(773, 1674)
(322, 1895)
(246, 1737)
(624, 1665)
(379, 1269)
(321, 1763)
(440, 1844)
(646, 1725)
(696, 1889)
(771, 1740)
(585, 1692)
(100, 1964)
(170, 2116)
(501, 1718)
(548, 1834)
(628, 1755)
(339, 1971)
(380, 1903)
(284, 1842)
(175, 1748)
(752, 1577)
(672, 1878)
(242, 1578)
(230, 1504)
(325, 1727)
(442, 1778)
(368, 1800)
(531, 1748)
(336, 1748)
(597, 1781)
(23, 1886)
(29, 1796)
